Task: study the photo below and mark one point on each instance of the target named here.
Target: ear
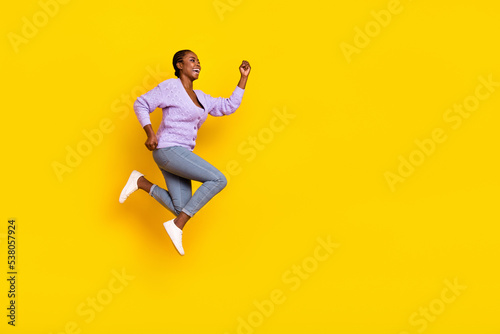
(179, 65)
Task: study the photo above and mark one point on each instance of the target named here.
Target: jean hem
(151, 190)
(187, 213)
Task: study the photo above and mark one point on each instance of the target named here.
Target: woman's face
(190, 66)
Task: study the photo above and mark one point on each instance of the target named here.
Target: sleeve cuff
(145, 122)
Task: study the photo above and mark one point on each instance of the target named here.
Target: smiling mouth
(197, 70)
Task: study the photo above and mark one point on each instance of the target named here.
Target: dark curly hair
(178, 59)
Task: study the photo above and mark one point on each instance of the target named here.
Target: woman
(184, 111)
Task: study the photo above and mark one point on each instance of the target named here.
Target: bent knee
(221, 181)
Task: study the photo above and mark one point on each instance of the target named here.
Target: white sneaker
(175, 235)
(131, 185)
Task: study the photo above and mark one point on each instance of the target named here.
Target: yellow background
(320, 176)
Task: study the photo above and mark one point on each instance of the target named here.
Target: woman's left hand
(245, 68)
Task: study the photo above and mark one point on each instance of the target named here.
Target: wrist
(242, 83)
(149, 130)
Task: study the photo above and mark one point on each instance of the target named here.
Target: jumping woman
(184, 111)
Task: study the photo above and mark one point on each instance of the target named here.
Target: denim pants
(179, 166)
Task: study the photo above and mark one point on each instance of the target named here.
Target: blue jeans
(179, 166)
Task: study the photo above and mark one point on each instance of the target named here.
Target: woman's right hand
(151, 142)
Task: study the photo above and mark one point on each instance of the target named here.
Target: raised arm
(226, 106)
(245, 71)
